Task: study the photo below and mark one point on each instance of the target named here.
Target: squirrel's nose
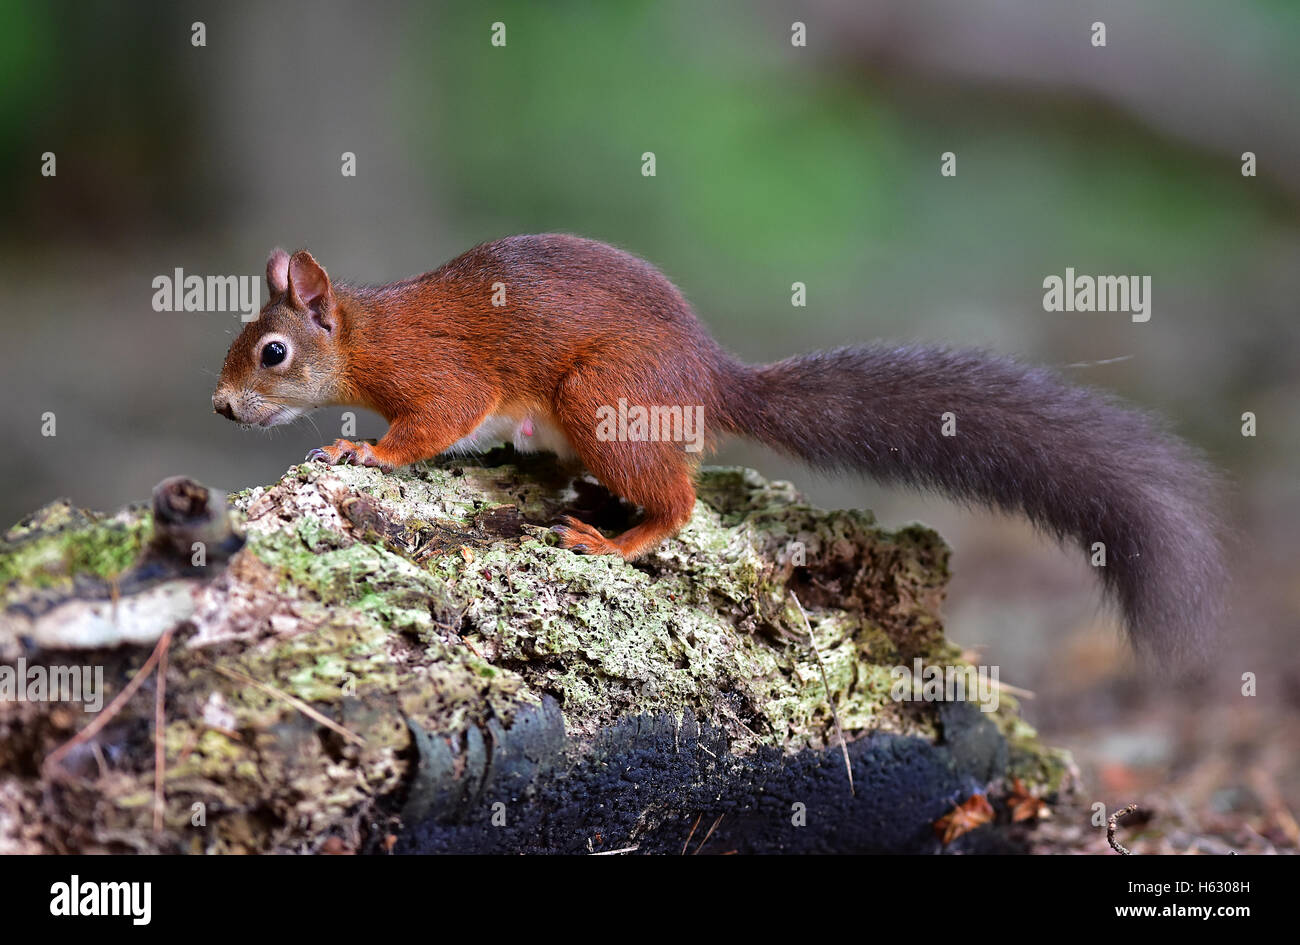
(221, 405)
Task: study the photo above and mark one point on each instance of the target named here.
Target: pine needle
(839, 732)
(160, 733)
(298, 704)
(113, 708)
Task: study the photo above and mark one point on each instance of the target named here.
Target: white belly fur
(500, 428)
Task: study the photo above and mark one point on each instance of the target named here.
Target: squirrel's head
(291, 357)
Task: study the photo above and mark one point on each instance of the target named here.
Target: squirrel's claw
(581, 538)
(345, 452)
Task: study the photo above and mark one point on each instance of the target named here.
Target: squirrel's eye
(273, 354)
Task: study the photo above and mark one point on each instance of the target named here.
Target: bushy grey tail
(1073, 460)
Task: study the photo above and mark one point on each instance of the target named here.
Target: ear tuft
(309, 289)
(277, 272)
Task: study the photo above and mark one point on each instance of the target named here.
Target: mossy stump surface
(488, 690)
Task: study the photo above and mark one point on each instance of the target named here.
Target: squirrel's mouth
(279, 415)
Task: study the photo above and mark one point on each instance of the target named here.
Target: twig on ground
(1110, 830)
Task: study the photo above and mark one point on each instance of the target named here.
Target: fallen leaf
(965, 817)
(1023, 804)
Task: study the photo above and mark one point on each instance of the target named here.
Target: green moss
(1031, 761)
(423, 612)
(107, 551)
(44, 558)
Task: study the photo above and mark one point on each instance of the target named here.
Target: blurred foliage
(774, 165)
(753, 158)
(103, 85)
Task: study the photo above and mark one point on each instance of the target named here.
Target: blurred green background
(775, 164)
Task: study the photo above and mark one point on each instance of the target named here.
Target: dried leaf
(965, 817)
(1024, 805)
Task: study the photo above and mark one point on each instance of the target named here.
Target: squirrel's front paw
(347, 452)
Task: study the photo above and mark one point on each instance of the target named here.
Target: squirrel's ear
(309, 289)
(277, 273)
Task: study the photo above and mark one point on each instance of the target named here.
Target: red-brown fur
(585, 324)
(434, 357)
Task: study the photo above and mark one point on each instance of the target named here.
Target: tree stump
(370, 662)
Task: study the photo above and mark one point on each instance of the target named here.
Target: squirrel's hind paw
(583, 539)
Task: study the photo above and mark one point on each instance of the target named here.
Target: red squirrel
(539, 339)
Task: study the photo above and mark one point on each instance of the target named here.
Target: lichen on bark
(434, 600)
